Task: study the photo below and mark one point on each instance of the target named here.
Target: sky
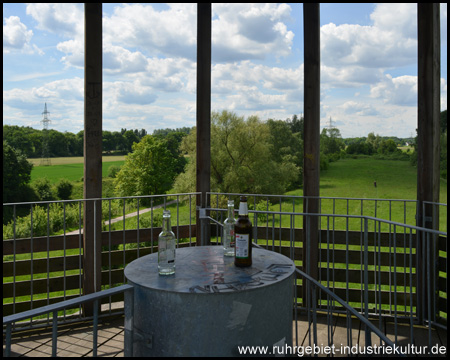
(368, 65)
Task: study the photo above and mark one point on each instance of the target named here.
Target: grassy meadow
(346, 178)
(70, 168)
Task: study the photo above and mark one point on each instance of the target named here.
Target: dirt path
(127, 216)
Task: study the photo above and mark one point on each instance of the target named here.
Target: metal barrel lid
(204, 270)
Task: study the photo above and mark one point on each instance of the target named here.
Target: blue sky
(368, 65)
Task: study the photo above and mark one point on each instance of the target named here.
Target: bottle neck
(230, 210)
(243, 209)
(166, 222)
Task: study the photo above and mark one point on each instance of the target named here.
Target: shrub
(43, 189)
(64, 189)
(113, 170)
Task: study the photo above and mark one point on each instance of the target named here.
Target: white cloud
(385, 44)
(443, 94)
(17, 37)
(396, 18)
(65, 19)
(401, 90)
(245, 86)
(348, 76)
(74, 50)
(117, 59)
(243, 31)
(358, 108)
(134, 93)
(64, 99)
(67, 89)
(171, 32)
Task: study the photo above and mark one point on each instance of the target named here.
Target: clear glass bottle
(228, 231)
(166, 247)
(243, 232)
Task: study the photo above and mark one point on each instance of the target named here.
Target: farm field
(352, 178)
(70, 168)
(75, 160)
(346, 178)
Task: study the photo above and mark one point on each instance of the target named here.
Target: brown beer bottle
(243, 236)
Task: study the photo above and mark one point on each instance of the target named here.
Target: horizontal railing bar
(102, 199)
(309, 197)
(363, 217)
(64, 304)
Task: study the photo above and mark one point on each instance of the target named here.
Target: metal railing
(367, 265)
(54, 308)
(43, 264)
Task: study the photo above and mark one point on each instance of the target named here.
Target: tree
(387, 147)
(16, 174)
(57, 143)
(174, 140)
(16, 178)
(242, 159)
(287, 146)
(373, 141)
(129, 139)
(331, 141)
(297, 125)
(148, 170)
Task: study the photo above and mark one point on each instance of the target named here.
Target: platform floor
(76, 341)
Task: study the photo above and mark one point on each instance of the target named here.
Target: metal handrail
(54, 308)
(366, 322)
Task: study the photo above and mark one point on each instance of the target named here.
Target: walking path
(127, 216)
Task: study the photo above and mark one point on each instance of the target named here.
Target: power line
(45, 160)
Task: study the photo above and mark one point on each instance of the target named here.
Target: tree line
(247, 155)
(65, 144)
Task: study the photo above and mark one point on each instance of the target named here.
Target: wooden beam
(311, 160)
(428, 139)
(428, 145)
(203, 114)
(92, 149)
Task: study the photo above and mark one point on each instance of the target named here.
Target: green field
(355, 178)
(75, 160)
(349, 178)
(70, 171)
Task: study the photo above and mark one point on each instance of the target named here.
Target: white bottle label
(242, 245)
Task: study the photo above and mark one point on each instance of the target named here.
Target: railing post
(129, 322)
(366, 281)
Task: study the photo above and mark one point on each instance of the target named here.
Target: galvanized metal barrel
(210, 307)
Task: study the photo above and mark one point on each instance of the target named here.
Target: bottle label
(243, 208)
(242, 245)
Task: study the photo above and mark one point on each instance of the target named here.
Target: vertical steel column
(428, 139)
(203, 116)
(92, 229)
(311, 160)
